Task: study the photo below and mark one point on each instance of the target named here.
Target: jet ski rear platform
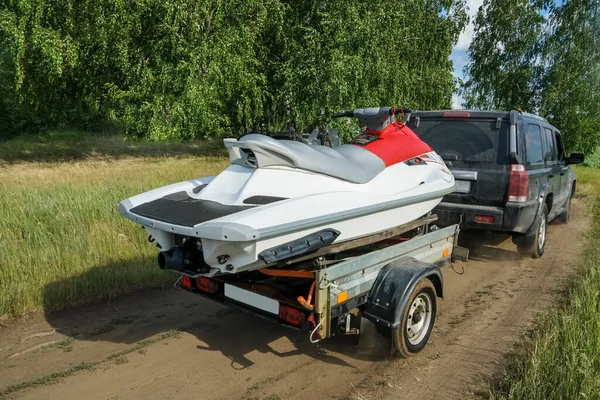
(181, 209)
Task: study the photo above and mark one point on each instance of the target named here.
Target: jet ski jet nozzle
(186, 257)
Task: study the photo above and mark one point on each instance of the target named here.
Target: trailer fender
(393, 286)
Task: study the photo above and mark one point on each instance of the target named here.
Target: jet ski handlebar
(343, 114)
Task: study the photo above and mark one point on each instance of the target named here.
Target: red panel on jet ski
(395, 144)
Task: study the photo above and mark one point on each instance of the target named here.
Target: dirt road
(132, 349)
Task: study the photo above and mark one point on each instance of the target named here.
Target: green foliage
(571, 91)
(193, 69)
(547, 65)
(593, 159)
(504, 72)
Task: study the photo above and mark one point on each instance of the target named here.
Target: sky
(459, 55)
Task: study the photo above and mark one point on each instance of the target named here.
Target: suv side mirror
(574, 158)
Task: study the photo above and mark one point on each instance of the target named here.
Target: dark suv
(511, 172)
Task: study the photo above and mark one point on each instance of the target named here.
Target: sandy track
(225, 354)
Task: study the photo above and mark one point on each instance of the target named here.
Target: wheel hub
(419, 318)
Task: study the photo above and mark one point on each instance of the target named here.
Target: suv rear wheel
(536, 247)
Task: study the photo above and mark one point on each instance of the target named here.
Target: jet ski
(280, 200)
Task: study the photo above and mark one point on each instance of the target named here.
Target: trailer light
(342, 297)
(207, 285)
(486, 219)
(445, 253)
(292, 315)
(186, 282)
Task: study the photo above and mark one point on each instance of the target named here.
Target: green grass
(560, 357)
(48, 379)
(64, 344)
(62, 239)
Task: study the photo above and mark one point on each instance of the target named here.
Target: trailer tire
(417, 321)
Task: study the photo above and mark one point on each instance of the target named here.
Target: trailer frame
(342, 285)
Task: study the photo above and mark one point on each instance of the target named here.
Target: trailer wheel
(417, 322)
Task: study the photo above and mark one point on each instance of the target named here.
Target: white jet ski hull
(277, 192)
(353, 210)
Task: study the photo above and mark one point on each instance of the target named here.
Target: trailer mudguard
(394, 285)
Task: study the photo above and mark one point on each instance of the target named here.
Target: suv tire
(536, 247)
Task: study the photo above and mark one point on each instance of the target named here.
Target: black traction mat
(180, 209)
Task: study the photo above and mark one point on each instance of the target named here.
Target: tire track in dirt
(225, 354)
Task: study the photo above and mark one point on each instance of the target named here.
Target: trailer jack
(349, 330)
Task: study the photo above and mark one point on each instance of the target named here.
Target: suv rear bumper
(513, 218)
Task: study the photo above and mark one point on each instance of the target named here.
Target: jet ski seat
(348, 162)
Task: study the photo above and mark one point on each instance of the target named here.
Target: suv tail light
(518, 185)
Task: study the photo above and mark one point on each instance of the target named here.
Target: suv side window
(533, 145)
(549, 147)
(560, 151)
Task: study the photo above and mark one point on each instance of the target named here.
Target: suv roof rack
(535, 116)
(478, 111)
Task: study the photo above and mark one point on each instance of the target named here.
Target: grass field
(560, 358)
(62, 240)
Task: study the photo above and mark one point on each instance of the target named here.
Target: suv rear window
(465, 141)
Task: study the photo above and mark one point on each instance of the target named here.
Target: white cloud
(465, 38)
(456, 101)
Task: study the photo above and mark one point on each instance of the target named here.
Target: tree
(571, 87)
(199, 68)
(505, 66)
(546, 65)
